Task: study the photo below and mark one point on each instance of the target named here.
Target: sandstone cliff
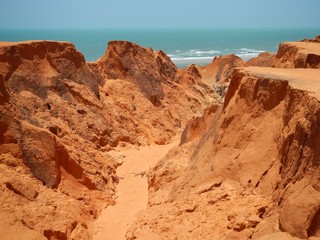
(217, 73)
(248, 169)
(242, 170)
(254, 169)
(264, 59)
(220, 69)
(298, 55)
(47, 90)
(60, 116)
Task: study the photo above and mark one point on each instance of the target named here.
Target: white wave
(248, 50)
(204, 57)
(190, 58)
(185, 61)
(247, 56)
(198, 53)
(208, 52)
(193, 54)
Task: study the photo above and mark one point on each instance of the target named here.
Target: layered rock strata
(253, 170)
(298, 55)
(249, 168)
(59, 116)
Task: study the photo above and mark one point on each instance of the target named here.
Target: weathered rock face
(58, 118)
(48, 82)
(298, 55)
(217, 74)
(43, 146)
(255, 162)
(136, 74)
(316, 39)
(243, 168)
(197, 127)
(54, 63)
(193, 72)
(220, 69)
(143, 67)
(264, 59)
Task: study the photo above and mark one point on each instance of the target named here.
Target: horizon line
(157, 28)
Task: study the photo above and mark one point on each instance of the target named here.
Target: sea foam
(204, 57)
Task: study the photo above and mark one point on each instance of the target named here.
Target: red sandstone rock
(298, 55)
(59, 116)
(243, 169)
(254, 164)
(197, 127)
(316, 39)
(220, 69)
(190, 73)
(146, 69)
(218, 73)
(264, 59)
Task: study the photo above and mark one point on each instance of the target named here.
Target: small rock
(22, 189)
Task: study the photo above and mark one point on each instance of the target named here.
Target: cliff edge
(247, 169)
(59, 117)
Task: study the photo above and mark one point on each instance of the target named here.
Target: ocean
(183, 46)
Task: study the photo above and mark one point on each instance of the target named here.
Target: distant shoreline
(184, 46)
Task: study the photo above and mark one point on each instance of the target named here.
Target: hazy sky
(158, 13)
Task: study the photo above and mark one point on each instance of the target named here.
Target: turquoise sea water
(184, 46)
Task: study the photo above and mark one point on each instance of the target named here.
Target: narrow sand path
(132, 190)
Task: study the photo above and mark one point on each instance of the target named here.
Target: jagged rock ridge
(248, 169)
(59, 118)
(242, 170)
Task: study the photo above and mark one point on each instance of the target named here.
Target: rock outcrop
(141, 66)
(264, 59)
(298, 55)
(188, 75)
(59, 116)
(247, 166)
(217, 74)
(197, 126)
(316, 39)
(53, 181)
(220, 69)
(136, 74)
(248, 169)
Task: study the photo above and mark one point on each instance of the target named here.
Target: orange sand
(132, 190)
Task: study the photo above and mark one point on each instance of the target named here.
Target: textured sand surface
(132, 190)
(304, 79)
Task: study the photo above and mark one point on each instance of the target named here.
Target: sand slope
(132, 190)
(253, 171)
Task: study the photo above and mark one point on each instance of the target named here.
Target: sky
(94, 14)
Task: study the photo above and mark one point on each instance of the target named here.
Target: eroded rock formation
(220, 69)
(254, 163)
(298, 55)
(264, 59)
(248, 169)
(60, 116)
